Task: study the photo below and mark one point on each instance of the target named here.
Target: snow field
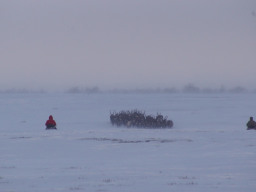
(208, 149)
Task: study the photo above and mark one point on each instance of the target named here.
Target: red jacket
(50, 122)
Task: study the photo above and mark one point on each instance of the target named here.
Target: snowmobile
(50, 127)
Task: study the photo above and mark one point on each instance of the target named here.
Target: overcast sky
(58, 44)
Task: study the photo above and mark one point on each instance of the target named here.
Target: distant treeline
(190, 88)
(187, 89)
(22, 91)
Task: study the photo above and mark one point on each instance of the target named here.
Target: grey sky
(132, 44)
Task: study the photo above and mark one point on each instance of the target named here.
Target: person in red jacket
(50, 123)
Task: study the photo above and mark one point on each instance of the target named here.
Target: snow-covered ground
(208, 149)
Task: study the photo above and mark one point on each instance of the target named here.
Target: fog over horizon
(136, 44)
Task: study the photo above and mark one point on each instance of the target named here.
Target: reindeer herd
(139, 119)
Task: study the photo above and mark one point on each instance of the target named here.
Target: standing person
(251, 124)
(50, 123)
